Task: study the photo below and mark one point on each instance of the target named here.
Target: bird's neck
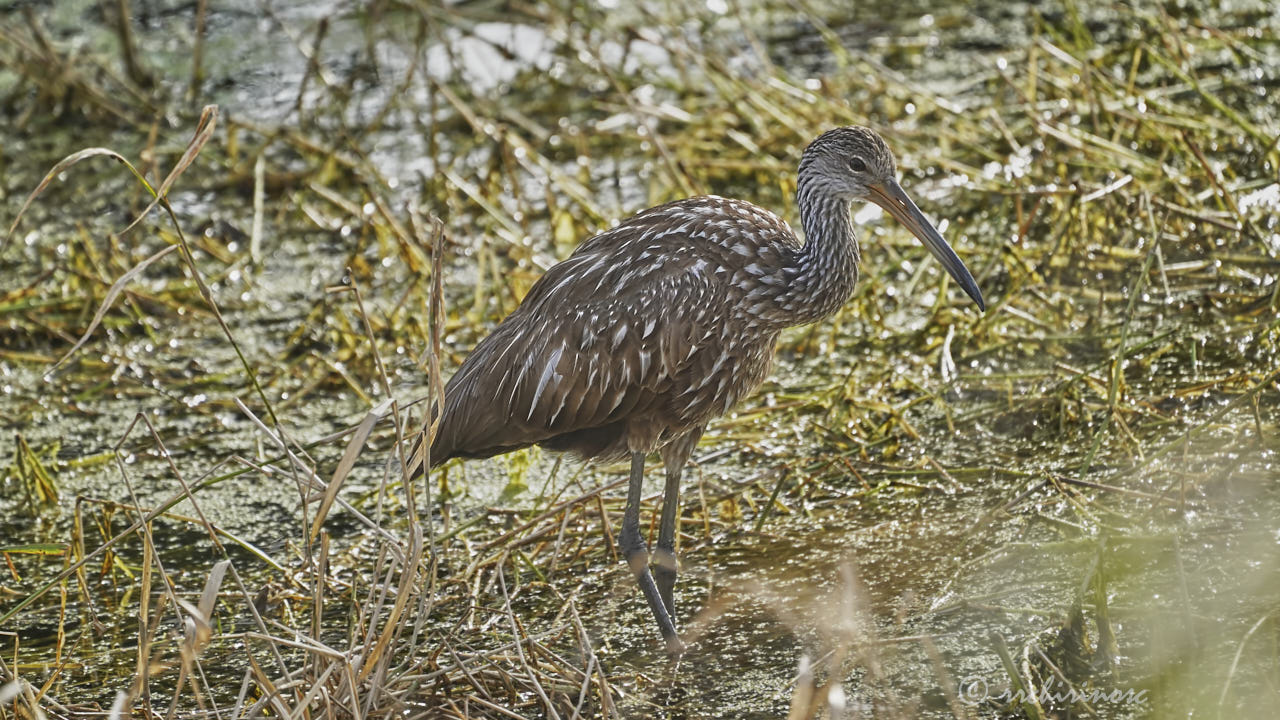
(822, 273)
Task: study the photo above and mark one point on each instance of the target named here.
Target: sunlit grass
(1072, 490)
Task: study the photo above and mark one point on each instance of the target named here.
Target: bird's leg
(637, 556)
(665, 565)
(675, 455)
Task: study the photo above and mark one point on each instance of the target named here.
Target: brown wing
(639, 335)
(598, 340)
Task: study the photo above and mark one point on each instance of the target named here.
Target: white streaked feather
(547, 372)
(618, 395)
(564, 397)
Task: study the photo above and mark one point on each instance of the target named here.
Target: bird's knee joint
(638, 561)
(666, 560)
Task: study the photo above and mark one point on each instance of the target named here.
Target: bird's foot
(675, 646)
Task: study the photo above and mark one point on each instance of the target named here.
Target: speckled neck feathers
(822, 273)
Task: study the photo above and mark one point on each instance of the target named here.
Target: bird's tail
(416, 461)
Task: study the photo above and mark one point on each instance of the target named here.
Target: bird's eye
(857, 165)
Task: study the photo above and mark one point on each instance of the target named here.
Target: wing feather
(565, 363)
(624, 328)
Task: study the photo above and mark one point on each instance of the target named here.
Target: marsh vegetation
(1065, 507)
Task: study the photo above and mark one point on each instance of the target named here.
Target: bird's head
(854, 163)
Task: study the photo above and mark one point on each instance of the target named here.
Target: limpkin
(652, 328)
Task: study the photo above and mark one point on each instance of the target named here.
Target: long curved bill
(890, 196)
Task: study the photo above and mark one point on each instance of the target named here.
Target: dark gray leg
(637, 557)
(675, 455)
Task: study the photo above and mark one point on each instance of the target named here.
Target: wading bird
(650, 329)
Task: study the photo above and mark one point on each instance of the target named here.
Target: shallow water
(924, 511)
